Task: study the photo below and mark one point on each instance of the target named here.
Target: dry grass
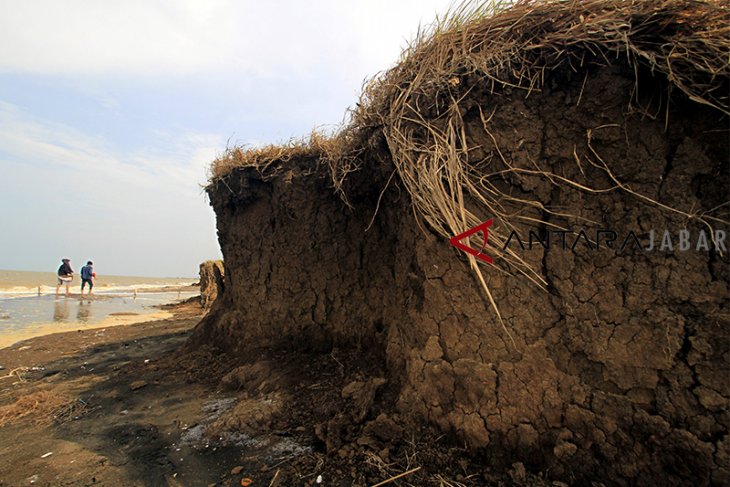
(417, 105)
(38, 406)
(317, 146)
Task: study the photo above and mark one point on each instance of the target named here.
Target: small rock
(236, 470)
(365, 440)
(363, 395)
(709, 398)
(518, 472)
(565, 435)
(565, 450)
(138, 384)
(383, 428)
(432, 350)
(385, 454)
(352, 388)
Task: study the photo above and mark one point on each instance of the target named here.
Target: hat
(65, 260)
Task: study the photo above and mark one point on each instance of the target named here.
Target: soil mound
(211, 282)
(594, 136)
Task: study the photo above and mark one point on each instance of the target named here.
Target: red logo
(479, 254)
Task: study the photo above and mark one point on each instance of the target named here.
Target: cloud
(179, 158)
(113, 110)
(162, 38)
(105, 37)
(140, 212)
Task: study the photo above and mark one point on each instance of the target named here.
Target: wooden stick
(271, 484)
(400, 475)
(15, 371)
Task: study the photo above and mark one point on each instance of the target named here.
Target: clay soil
(617, 372)
(134, 405)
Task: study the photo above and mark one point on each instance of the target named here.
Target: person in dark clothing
(65, 275)
(87, 277)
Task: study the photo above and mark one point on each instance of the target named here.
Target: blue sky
(111, 112)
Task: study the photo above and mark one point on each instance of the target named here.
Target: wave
(26, 291)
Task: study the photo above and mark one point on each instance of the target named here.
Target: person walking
(65, 275)
(87, 277)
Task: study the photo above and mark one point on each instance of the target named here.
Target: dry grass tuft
(37, 405)
(317, 146)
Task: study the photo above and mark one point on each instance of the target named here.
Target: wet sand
(11, 337)
(26, 317)
(86, 408)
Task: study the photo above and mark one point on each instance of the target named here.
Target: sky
(112, 111)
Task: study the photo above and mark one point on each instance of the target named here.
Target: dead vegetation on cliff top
(417, 105)
(507, 44)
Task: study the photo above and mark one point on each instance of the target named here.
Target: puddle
(269, 446)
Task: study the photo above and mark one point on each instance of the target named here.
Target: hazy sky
(111, 111)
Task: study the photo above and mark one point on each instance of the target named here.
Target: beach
(140, 405)
(29, 308)
(11, 337)
(49, 383)
(453, 244)
(15, 283)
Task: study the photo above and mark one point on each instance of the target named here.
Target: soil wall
(211, 282)
(618, 372)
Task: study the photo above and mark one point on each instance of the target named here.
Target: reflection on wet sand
(60, 310)
(84, 313)
(25, 317)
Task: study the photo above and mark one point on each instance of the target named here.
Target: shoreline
(142, 307)
(121, 291)
(10, 340)
(99, 405)
(136, 405)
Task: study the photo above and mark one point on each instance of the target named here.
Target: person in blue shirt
(87, 277)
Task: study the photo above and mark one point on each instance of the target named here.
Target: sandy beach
(124, 300)
(71, 405)
(137, 405)
(438, 244)
(36, 330)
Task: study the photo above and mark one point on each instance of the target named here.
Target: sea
(29, 305)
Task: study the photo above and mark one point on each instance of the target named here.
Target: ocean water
(25, 313)
(26, 283)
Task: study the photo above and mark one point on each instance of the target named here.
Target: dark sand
(138, 405)
(128, 427)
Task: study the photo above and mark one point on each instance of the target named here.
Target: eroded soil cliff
(617, 370)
